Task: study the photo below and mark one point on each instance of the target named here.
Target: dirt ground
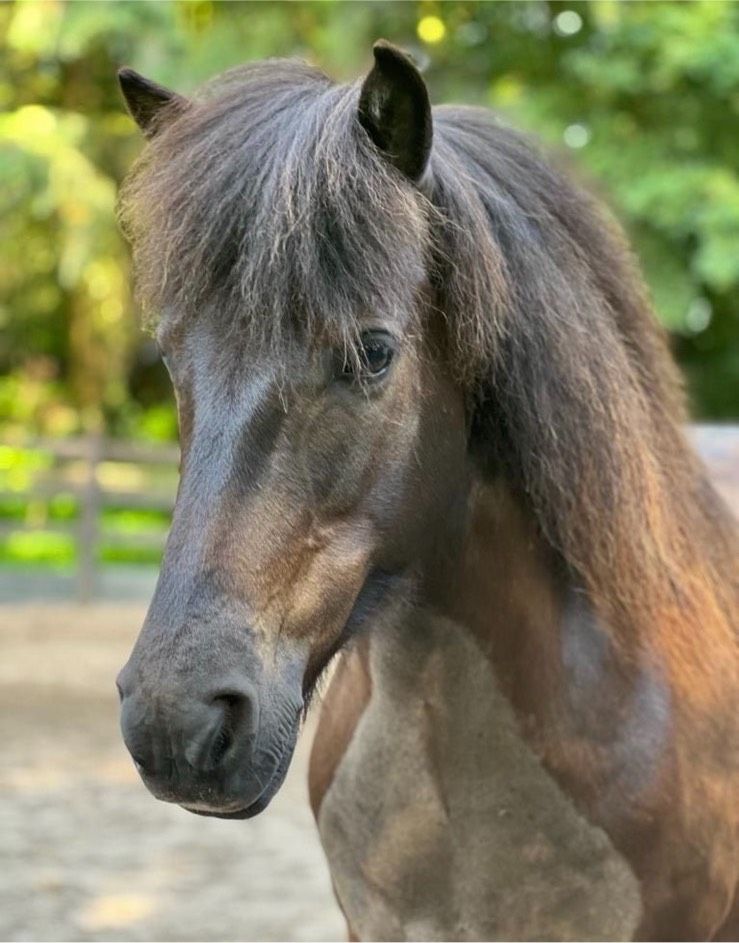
(86, 853)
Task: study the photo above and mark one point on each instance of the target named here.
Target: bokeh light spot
(699, 315)
(576, 135)
(472, 33)
(567, 23)
(431, 29)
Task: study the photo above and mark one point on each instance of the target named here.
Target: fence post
(87, 539)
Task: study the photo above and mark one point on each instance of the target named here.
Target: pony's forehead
(249, 335)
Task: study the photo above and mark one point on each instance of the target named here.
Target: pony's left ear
(395, 111)
(150, 105)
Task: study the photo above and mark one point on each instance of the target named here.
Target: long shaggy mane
(267, 199)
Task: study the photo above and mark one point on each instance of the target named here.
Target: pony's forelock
(267, 201)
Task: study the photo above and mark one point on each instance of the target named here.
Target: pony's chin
(247, 813)
(232, 810)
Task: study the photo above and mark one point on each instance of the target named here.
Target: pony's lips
(246, 813)
(232, 810)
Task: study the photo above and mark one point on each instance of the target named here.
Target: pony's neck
(462, 833)
(597, 717)
(510, 590)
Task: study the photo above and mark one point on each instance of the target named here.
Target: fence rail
(85, 456)
(717, 444)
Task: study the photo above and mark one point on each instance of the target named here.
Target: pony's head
(359, 324)
(281, 232)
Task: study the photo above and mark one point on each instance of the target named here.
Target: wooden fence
(76, 472)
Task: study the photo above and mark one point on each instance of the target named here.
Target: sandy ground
(86, 853)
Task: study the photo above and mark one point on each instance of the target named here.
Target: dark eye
(374, 356)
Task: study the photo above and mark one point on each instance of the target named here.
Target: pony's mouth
(232, 810)
(247, 813)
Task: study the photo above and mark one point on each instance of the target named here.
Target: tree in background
(643, 97)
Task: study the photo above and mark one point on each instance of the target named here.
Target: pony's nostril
(238, 708)
(219, 747)
(234, 720)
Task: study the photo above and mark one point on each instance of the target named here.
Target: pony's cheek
(346, 455)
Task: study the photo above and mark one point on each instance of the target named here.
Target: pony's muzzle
(198, 750)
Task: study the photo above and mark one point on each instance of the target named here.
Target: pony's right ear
(150, 105)
(394, 110)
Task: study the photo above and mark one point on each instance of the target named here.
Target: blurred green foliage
(643, 98)
(40, 527)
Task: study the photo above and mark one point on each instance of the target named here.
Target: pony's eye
(375, 356)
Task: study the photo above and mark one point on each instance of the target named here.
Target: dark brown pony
(429, 421)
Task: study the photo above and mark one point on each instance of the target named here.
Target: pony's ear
(149, 104)
(394, 110)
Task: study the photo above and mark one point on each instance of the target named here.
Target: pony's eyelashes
(370, 361)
